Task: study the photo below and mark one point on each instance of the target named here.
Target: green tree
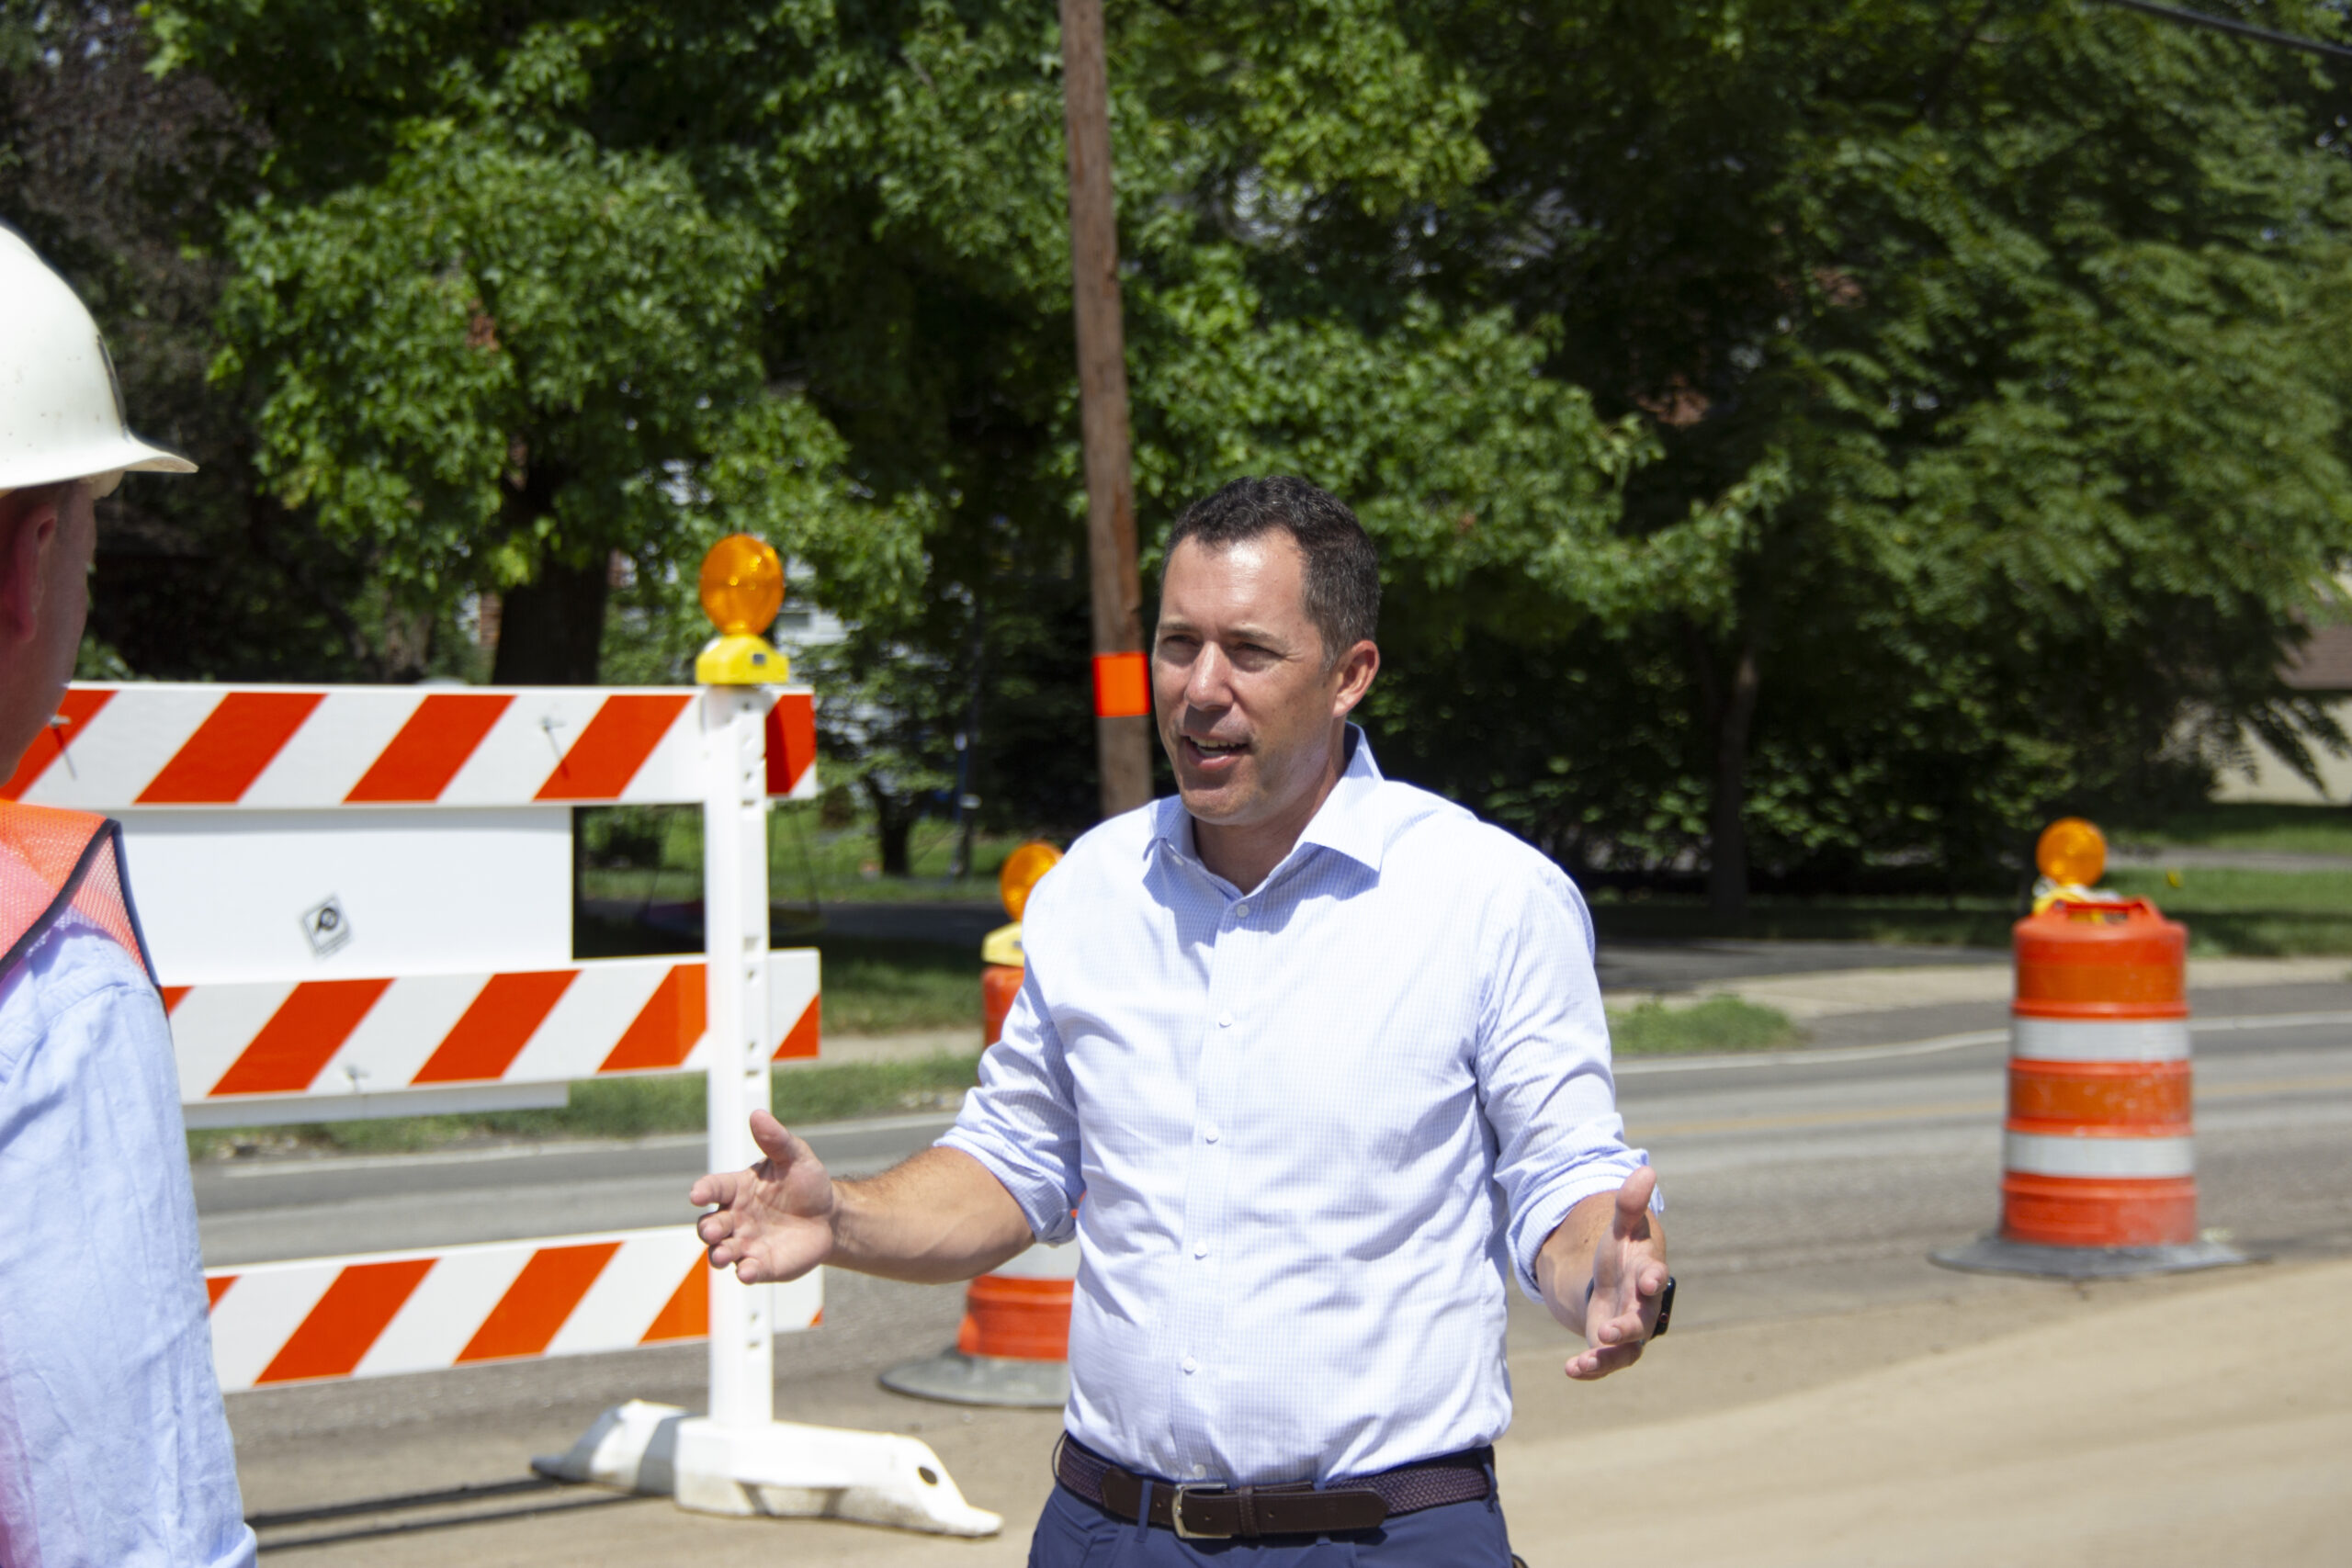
(2031, 308)
(1803, 435)
(484, 356)
(515, 355)
(118, 176)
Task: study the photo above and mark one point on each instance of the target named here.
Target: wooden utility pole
(1122, 682)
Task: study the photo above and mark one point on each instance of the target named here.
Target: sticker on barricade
(413, 1312)
(166, 744)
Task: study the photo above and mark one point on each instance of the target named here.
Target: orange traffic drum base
(2070, 1212)
(954, 1378)
(1991, 1254)
(2092, 1230)
(1011, 1349)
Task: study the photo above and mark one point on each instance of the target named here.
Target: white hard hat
(61, 407)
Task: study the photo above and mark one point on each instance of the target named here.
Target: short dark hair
(1343, 582)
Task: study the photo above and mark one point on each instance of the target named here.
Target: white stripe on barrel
(2039, 1154)
(2080, 1040)
(1039, 1261)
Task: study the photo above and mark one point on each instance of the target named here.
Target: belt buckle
(1176, 1510)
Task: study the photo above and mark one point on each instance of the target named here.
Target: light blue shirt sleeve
(1543, 1072)
(114, 1447)
(1022, 1122)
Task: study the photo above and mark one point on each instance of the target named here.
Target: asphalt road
(1800, 1187)
(1921, 1119)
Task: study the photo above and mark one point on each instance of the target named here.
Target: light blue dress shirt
(114, 1449)
(1316, 1124)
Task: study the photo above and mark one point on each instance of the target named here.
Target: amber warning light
(2071, 852)
(1021, 873)
(743, 588)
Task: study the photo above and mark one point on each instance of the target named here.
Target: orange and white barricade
(379, 1313)
(351, 892)
(359, 901)
(2098, 1155)
(325, 1050)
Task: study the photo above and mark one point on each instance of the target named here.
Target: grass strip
(875, 987)
(623, 1108)
(2245, 825)
(1717, 1025)
(872, 985)
(1970, 920)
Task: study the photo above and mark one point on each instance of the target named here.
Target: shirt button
(1200, 1250)
(1191, 1366)
(1224, 1021)
(1209, 1134)
(1241, 911)
(1199, 1471)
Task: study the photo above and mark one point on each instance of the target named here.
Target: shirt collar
(1346, 823)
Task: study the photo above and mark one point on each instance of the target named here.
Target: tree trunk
(1727, 827)
(894, 827)
(968, 768)
(551, 630)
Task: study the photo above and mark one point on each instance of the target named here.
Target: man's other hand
(774, 1221)
(1628, 1274)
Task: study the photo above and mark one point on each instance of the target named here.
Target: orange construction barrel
(1013, 1347)
(2097, 1150)
(1000, 983)
(2098, 1173)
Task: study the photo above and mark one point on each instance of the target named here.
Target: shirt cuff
(1542, 1215)
(1043, 1202)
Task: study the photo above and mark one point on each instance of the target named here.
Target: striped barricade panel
(327, 1038)
(413, 1312)
(164, 744)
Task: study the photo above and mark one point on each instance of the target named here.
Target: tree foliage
(2032, 306)
(118, 177)
(1822, 434)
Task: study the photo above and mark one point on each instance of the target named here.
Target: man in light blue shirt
(1325, 1058)
(114, 1449)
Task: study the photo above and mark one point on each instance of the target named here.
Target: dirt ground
(2184, 1421)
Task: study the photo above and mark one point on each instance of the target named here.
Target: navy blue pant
(1075, 1533)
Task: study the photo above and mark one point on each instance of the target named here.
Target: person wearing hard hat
(114, 1447)
(1325, 1056)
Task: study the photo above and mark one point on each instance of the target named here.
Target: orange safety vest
(52, 860)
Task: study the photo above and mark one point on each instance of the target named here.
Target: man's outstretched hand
(1628, 1273)
(774, 1221)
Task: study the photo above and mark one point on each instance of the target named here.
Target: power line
(2229, 24)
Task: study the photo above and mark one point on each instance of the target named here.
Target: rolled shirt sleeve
(1021, 1122)
(1544, 1070)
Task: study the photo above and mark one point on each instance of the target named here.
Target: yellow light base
(1003, 945)
(741, 660)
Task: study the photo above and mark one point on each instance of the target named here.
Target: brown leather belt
(1214, 1511)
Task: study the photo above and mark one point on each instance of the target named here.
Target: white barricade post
(739, 1458)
